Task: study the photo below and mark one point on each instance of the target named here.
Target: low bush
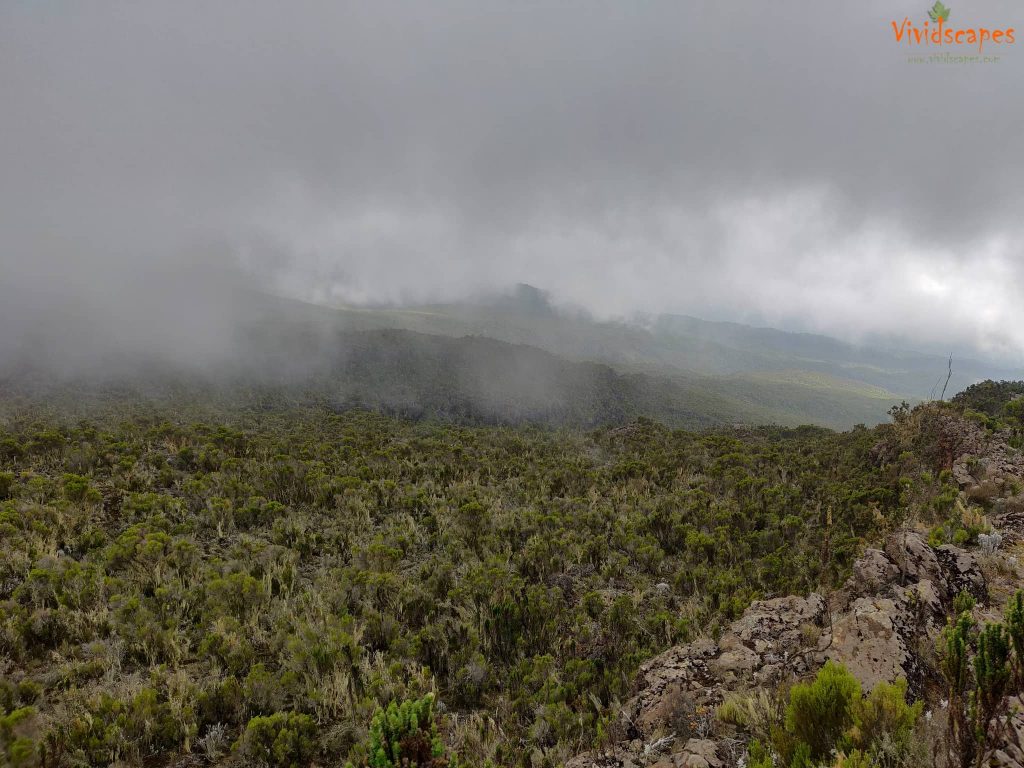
(281, 740)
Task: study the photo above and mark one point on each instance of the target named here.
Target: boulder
(962, 473)
(1010, 753)
(895, 598)
(915, 559)
(870, 641)
(670, 686)
(590, 760)
(962, 572)
(872, 572)
(758, 648)
(699, 753)
(926, 605)
(776, 628)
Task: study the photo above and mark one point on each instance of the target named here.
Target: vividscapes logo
(939, 32)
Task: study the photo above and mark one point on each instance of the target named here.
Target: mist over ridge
(375, 153)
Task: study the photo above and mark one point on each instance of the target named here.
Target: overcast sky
(778, 162)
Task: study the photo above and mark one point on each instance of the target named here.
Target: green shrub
(405, 732)
(883, 716)
(6, 484)
(982, 669)
(819, 712)
(802, 756)
(228, 643)
(758, 756)
(963, 603)
(282, 740)
(10, 449)
(759, 713)
(1014, 619)
(78, 488)
(855, 759)
(111, 729)
(361, 559)
(18, 749)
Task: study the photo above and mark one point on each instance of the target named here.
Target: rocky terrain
(882, 625)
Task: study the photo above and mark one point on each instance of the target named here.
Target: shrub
(228, 643)
(282, 740)
(17, 747)
(1015, 629)
(78, 488)
(759, 712)
(983, 669)
(405, 734)
(221, 702)
(111, 729)
(883, 715)
(855, 759)
(10, 449)
(758, 756)
(483, 555)
(819, 712)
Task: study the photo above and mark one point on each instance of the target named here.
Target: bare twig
(949, 375)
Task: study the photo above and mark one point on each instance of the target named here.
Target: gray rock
(873, 571)
(915, 559)
(1011, 752)
(699, 753)
(962, 572)
(869, 641)
(962, 474)
(602, 761)
(927, 602)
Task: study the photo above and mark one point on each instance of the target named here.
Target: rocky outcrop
(773, 638)
(963, 574)
(872, 640)
(989, 472)
(894, 596)
(1011, 752)
(697, 753)
(893, 605)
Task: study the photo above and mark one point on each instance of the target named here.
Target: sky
(779, 163)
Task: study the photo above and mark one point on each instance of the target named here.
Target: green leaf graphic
(938, 12)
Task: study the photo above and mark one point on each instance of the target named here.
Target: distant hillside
(732, 347)
(676, 344)
(476, 380)
(510, 359)
(480, 379)
(761, 374)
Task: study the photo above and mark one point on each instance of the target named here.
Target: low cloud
(785, 166)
